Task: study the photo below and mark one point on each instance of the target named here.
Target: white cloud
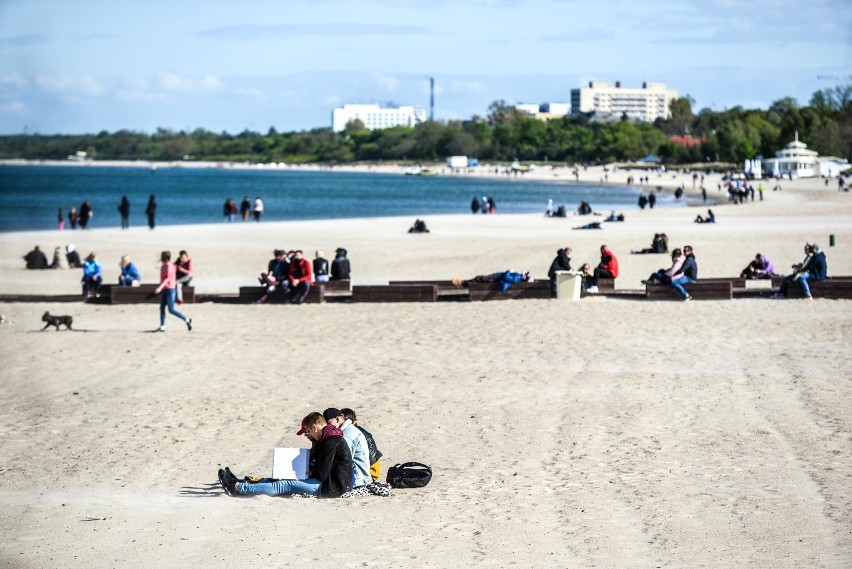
(175, 83)
(13, 80)
(466, 87)
(386, 82)
(252, 92)
(70, 85)
(14, 108)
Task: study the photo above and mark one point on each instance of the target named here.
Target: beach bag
(409, 475)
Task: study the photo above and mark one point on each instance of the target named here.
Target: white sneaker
(592, 290)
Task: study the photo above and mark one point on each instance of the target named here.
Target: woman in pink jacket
(665, 276)
(166, 290)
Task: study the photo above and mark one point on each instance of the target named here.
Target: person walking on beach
(258, 208)
(61, 219)
(124, 211)
(166, 290)
(245, 208)
(151, 211)
(73, 217)
(86, 214)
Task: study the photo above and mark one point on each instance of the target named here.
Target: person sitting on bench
(301, 277)
(92, 277)
(817, 270)
(664, 276)
(275, 276)
(129, 273)
(688, 273)
(607, 268)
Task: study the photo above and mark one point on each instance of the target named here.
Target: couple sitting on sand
(344, 462)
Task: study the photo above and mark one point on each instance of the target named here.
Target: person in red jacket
(301, 278)
(607, 268)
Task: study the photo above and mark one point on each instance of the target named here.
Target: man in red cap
(330, 474)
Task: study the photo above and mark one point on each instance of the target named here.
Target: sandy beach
(601, 433)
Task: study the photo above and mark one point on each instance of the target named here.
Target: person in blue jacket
(817, 270)
(506, 279)
(92, 277)
(129, 273)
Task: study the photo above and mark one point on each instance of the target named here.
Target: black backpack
(409, 475)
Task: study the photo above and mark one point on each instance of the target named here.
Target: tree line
(503, 134)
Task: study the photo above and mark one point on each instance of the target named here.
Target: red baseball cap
(304, 428)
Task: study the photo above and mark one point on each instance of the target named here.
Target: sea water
(30, 195)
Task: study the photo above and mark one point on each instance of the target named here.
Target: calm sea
(31, 195)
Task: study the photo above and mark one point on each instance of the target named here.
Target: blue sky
(77, 66)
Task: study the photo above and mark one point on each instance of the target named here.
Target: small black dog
(56, 321)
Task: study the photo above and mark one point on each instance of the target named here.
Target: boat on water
(420, 171)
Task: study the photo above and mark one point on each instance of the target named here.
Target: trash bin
(568, 285)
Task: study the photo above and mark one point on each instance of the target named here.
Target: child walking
(166, 290)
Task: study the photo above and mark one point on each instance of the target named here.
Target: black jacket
(562, 262)
(340, 267)
(690, 267)
(320, 267)
(331, 464)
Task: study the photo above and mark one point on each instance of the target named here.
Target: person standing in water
(166, 290)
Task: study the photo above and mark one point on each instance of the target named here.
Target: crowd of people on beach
(344, 461)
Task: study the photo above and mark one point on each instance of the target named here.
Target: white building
(606, 101)
(798, 161)
(544, 111)
(375, 117)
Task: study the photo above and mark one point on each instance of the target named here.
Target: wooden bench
(776, 281)
(702, 289)
(836, 288)
(491, 291)
(335, 287)
(395, 293)
(251, 294)
(606, 284)
(446, 288)
(143, 294)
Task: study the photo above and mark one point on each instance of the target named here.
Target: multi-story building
(375, 117)
(605, 101)
(544, 111)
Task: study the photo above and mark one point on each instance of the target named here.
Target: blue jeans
(270, 487)
(806, 289)
(678, 285)
(167, 298)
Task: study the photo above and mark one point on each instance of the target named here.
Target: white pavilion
(798, 161)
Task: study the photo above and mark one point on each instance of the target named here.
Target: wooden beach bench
(491, 291)
(702, 289)
(446, 289)
(606, 284)
(336, 288)
(249, 294)
(142, 294)
(395, 293)
(832, 287)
